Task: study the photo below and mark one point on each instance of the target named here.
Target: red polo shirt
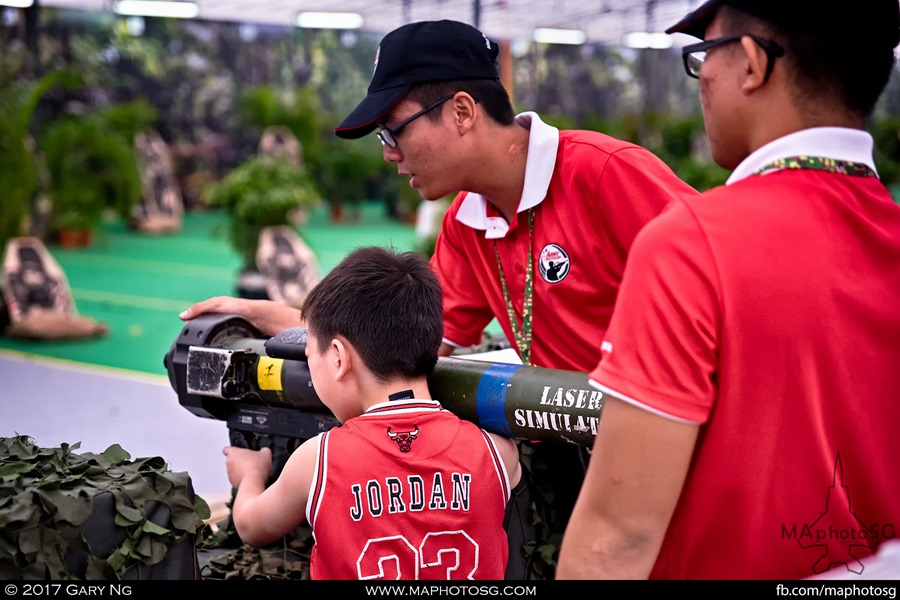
(592, 194)
(767, 311)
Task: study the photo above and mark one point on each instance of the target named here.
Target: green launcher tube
(520, 401)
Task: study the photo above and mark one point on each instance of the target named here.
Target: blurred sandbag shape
(162, 209)
(288, 265)
(38, 297)
(277, 141)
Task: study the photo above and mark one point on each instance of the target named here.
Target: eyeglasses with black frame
(388, 135)
(694, 54)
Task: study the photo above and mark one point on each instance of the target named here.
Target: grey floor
(56, 402)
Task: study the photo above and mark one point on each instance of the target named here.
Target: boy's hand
(241, 463)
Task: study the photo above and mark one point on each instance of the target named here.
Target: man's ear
(756, 63)
(462, 107)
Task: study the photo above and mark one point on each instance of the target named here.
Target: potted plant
(18, 167)
(346, 171)
(92, 167)
(260, 192)
(296, 110)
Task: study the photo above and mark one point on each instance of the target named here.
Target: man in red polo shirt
(543, 227)
(751, 372)
(539, 236)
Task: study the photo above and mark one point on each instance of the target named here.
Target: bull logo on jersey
(553, 263)
(404, 439)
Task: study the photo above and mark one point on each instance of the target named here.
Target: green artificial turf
(137, 283)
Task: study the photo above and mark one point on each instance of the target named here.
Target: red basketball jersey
(408, 490)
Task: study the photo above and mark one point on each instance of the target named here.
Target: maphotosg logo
(838, 536)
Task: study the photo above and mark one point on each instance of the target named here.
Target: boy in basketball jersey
(402, 489)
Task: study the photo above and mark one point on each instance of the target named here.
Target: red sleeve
(466, 310)
(636, 186)
(660, 349)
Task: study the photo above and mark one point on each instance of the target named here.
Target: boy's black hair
(386, 303)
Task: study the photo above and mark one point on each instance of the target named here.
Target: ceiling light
(17, 3)
(545, 35)
(153, 8)
(329, 20)
(135, 26)
(642, 39)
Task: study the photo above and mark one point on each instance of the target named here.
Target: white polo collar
(543, 141)
(839, 143)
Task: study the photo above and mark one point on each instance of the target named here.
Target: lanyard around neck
(522, 334)
(844, 167)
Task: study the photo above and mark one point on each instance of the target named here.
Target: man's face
(425, 150)
(721, 99)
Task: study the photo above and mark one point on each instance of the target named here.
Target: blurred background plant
(261, 192)
(219, 85)
(886, 133)
(265, 106)
(20, 164)
(91, 163)
(350, 172)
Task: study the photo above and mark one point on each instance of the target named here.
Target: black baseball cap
(872, 22)
(421, 52)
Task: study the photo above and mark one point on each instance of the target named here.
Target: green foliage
(261, 192)
(127, 119)
(674, 141)
(678, 135)
(349, 169)
(886, 133)
(408, 199)
(701, 175)
(46, 494)
(19, 175)
(344, 171)
(624, 129)
(264, 106)
(894, 189)
(92, 166)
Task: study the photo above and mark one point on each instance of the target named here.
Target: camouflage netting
(228, 558)
(50, 500)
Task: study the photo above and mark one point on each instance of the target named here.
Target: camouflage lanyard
(844, 167)
(523, 334)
